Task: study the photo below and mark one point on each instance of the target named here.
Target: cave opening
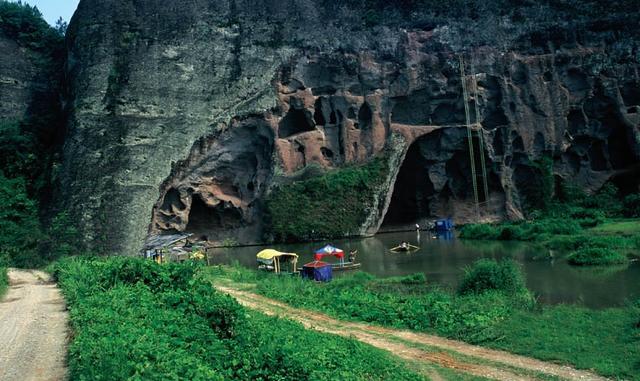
(412, 192)
(365, 117)
(205, 219)
(437, 170)
(295, 122)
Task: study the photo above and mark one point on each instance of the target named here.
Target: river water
(443, 260)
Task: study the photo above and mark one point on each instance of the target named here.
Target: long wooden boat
(342, 267)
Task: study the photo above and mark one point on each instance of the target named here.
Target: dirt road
(33, 329)
(419, 347)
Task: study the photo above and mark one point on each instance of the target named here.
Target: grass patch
(492, 311)
(307, 209)
(607, 340)
(402, 302)
(134, 319)
(596, 256)
(626, 227)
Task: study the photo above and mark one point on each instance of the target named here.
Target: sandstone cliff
(185, 115)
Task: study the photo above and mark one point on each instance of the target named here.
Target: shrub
(596, 256)
(631, 205)
(480, 231)
(487, 274)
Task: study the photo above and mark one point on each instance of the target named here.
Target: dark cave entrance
(435, 171)
(412, 192)
(204, 219)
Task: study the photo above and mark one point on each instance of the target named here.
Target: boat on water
(274, 260)
(341, 265)
(404, 247)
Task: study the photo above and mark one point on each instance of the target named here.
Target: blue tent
(444, 225)
(318, 271)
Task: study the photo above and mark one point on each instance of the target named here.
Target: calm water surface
(442, 261)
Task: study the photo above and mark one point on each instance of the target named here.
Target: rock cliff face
(184, 116)
(18, 77)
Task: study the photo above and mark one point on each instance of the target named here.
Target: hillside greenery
(331, 205)
(135, 319)
(31, 147)
(491, 308)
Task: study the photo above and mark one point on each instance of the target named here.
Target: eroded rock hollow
(195, 114)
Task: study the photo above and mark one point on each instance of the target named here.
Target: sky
(54, 9)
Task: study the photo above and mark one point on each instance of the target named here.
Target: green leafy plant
(489, 275)
(596, 256)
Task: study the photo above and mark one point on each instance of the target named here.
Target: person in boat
(352, 256)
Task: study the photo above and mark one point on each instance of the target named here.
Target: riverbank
(566, 334)
(609, 242)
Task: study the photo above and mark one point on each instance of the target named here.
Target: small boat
(272, 260)
(404, 248)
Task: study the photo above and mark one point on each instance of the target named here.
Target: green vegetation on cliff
(492, 309)
(134, 319)
(328, 206)
(31, 145)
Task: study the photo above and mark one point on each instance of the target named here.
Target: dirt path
(419, 347)
(33, 329)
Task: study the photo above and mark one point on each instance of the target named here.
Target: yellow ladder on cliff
(477, 128)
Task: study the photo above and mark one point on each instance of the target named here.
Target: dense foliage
(405, 302)
(134, 319)
(31, 145)
(569, 334)
(19, 226)
(328, 206)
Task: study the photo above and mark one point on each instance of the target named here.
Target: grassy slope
(606, 341)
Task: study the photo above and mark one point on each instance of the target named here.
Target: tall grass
(136, 320)
(492, 311)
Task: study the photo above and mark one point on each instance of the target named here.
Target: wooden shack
(172, 247)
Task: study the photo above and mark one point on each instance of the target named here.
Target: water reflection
(442, 259)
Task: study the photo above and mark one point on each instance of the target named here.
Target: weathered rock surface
(18, 76)
(185, 115)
